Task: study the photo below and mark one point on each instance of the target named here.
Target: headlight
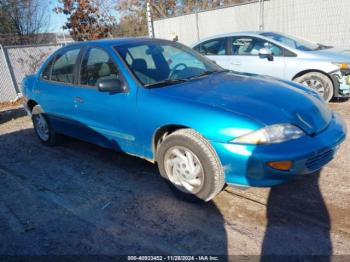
(270, 135)
(342, 66)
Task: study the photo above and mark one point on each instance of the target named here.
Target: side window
(251, 46)
(212, 47)
(288, 53)
(97, 65)
(46, 74)
(63, 67)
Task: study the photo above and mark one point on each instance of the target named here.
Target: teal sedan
(204, 126)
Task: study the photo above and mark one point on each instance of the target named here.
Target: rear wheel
(319, 82)
(191, 165)
(43, 129)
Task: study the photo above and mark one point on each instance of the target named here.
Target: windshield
(164, 62)
(294, 42)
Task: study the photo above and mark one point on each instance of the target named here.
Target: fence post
(197, 26)
(261, 15)
(149, 20)
(9, 69)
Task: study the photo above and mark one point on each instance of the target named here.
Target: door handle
(78, 100)
(236, 63)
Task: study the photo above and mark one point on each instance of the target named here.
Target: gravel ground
(78, 198)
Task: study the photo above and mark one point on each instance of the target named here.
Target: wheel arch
(31, 104)
(161, 133)
(37, 109)
(334, 81)
(301, 73)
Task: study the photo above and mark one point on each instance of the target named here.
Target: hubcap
(316, 85)
(184, 169)
(41, 126)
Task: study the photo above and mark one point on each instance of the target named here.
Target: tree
(23, 20)
(6, 26)
(160, 8)
(188, 6)
(133, 12)
(131, 25)
(87, 19)
(133, 20)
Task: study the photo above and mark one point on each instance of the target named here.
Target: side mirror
(266, 53)
(111, 85)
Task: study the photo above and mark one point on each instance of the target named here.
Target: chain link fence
(7, 87)
(16, 62)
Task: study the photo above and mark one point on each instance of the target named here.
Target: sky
(56, 20)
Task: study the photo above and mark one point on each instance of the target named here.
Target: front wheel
(319, 82)
(190, 164)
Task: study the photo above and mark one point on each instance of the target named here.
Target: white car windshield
(294, 42)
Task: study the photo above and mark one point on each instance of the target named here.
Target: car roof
(116, 41)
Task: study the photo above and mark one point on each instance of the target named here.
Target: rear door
(243, 56)
(216, 50)
(54, 90)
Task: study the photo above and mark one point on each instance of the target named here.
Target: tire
(319, 82)
(43, 129)
(196, 153)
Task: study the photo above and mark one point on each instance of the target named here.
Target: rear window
(46, 74)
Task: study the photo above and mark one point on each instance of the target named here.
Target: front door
(244, 57)
(108, 118)
(215, 50)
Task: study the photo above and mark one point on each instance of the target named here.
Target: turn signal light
(281, 165)
(344, 66)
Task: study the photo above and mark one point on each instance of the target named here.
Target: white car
(318, 66)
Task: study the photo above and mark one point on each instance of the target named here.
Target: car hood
(334, 54)
(265, 100)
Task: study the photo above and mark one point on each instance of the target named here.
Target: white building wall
(323, 21)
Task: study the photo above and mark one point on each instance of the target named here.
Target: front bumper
(246, 164)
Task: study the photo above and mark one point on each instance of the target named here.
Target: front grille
(319, 160)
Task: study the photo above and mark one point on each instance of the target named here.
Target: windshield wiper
(320, 46)
(209, 72)
(181, 80)
(166, 82)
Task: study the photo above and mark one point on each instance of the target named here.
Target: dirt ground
(80, 199)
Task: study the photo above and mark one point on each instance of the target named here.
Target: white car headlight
(270, 135)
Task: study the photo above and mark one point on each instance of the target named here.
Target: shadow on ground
(78, 198)
(298, 222)
(10, 114)
(339, 100)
